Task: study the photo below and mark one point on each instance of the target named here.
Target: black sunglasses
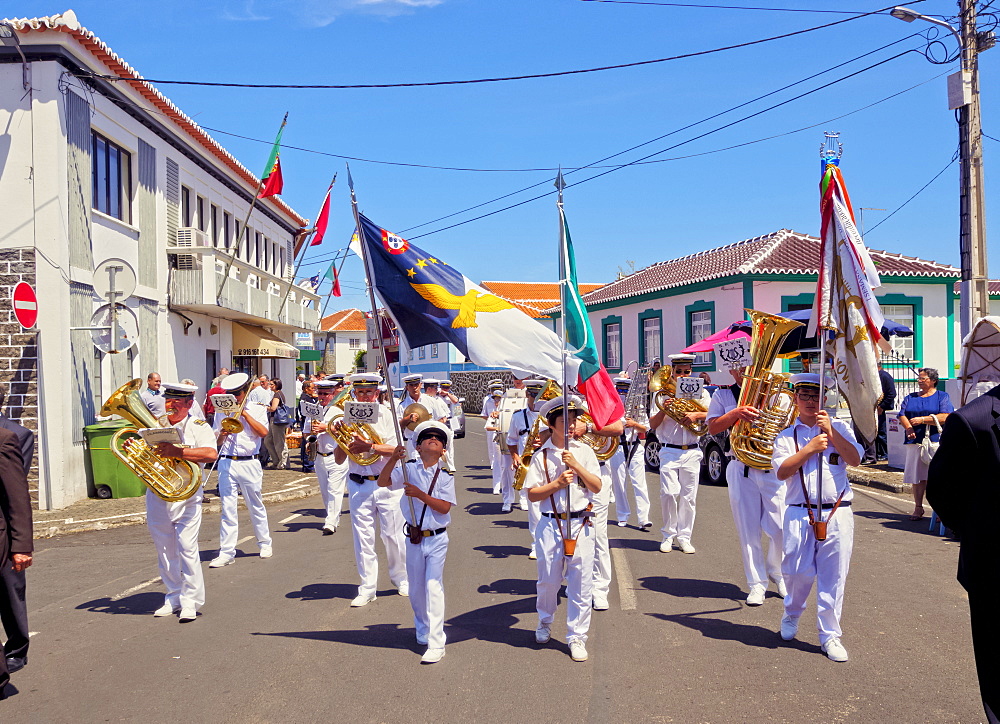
(439, 438)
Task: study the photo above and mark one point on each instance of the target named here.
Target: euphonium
(663, 389)
(172, 479)
(550, 392)
(344, 434)
(768, 392)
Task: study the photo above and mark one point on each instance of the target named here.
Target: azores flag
(430, 301)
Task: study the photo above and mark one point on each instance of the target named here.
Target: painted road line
(241, 541)
(290, 518)
(284, 490)
(137, 514)
(624, 575)
(132, 590)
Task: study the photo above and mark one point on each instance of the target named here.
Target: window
(281, 270)
(650, 337)
(186, 207)
(214, 228)
(409, 355)
(434, 350)
(613, 345)
(422, 353)
(701, 327)
(227, 229)
(202, 215)
(901, 314)
(112, 179)
(354, 343)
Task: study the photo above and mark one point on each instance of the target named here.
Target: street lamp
(8, 37)
(963, 95)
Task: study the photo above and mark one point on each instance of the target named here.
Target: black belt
(326, 455)
(680, 447)
(562, 516)
(239, 457)
(428, 533)
(360, 479)
(826, 506)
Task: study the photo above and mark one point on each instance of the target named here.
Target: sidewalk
(94, 514)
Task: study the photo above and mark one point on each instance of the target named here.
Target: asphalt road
(277, 641)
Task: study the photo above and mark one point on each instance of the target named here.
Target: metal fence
(903, 371)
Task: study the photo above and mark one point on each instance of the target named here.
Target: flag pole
(369, 282)
(243, 231)
(329, 296)
(563, 294)
(302, 256)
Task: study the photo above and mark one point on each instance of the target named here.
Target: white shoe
(756, 597)
(532, 556)
(686, 547)
(645, 526)
(601, 603)
(835, 650)
(523, 505)
(505, 508)
(577, 651)
(432, 656)
(782, 588)
(188, 615)
(667, 545)
(220, 561)
(789, 627)
(622, 523)
(166, 609)
(496, 491)
(542, 635)
(404, 588)
(266, 552)
(362, 599)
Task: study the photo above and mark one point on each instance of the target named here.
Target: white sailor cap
(326, 385)
(622, 381)
(364, 380)
(337, 378)
(496, 391)
(575, 403)
(535, 385)
(178, 391)
(235, 382)
(412, 377)
(429, 381)
(809, 379)
(680, 358)
(431, 425)
(496, 383)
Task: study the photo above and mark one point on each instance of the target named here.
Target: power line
(530, 76)
(898, 208)
(725, 7)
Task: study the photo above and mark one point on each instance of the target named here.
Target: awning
(252, 341)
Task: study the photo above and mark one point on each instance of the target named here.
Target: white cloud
(320, 13)
(242, 12)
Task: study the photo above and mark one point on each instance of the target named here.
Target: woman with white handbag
(922, 415)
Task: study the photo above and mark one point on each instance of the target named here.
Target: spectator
(879, 449)
(209, 408)
(920, 409)
(152, 395)
(275, 440)
(708, 382)
(308, 395)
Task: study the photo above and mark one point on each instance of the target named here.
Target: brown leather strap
(805, 492)
(420, 523)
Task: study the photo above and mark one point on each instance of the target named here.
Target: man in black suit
(963, 485)
(15, 532)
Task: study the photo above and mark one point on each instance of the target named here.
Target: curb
(210, 505)
(869, 482)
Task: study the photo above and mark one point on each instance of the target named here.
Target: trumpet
(231, 424)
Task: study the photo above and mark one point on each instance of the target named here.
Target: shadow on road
(141, 604)
(749, 635)
(313, 512)
(899, 521)
(380, 635)
(638, 544)
(693, 588)
(484, 508)
(503, 551)
(481, 491)
(331, 591)
(509, 587)
(511, 523)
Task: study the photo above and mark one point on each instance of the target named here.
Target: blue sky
(640, 214)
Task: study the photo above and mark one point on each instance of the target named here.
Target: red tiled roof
(68, 23)
(347, 320)
(532, 298)
(782, 252)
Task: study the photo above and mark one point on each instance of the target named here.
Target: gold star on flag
(411, 272)
(432, 260)
(421, 262)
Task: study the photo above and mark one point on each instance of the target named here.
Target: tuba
(172, 479)
(753, 442)
(344, 435)
(663, 389)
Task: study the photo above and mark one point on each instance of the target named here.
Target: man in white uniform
(367, 500)
(332, 477)
(491, 414)
(680, 465)
(449, 399)
(811, 457)
(174, 526)
(757, 498)
(433, 402)
(239, 469)
(514, 399)
(411, 396)
(520, 426)
(628, 465)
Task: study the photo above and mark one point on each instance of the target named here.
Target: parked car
(713, 462)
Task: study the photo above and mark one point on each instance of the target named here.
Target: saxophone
(753, 442)
(663, 389)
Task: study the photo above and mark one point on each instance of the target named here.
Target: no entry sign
(25, 305)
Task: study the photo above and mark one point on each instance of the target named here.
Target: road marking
(624, 575)
(32, 633)
(241, 541)
(132, 590)
(290, 518)
(284, 490)
(90, 520)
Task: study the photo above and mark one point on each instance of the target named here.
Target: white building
(91, 170)
(343, 337)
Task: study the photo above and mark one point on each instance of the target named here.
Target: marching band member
(563, 478)
(331, 475)
(757, 498)
(429, 482)
(628, 466)
(174, 526)
(520, 425)
(680, 466)
(433, 402)
(812, 456)
(514, 398)
(308, 404)
(239, 469)
(411, 396)
(449, 399)
(490, 413)
(367, 500)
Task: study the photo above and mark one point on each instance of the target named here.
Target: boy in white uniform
(628, 465)
(521, 423)
(429, 490)
(239, 469)
(564, 483)
(812, 457)
(491, 415)
(367, 500)
(174, 526)
(331, 475)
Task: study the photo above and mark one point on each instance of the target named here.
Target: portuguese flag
(273, 183)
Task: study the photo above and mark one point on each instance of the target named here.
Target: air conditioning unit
(190, 236)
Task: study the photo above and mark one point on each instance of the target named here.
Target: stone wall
(473, 386)
(18, 350)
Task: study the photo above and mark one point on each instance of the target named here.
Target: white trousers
(554, 566)
(679, 472)
(247, 477)
(807, 560)
(757, 499)
(492, 449)
(174, 528)
(368, 501)
(602, 548)
(332, 482)
(507, 479)
(425, 572)
(625, 475)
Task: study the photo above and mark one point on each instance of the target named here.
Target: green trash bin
(111, 477)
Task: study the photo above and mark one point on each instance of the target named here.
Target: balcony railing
(249, 294)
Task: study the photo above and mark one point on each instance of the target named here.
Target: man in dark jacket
(16, 543)
(963, 485)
